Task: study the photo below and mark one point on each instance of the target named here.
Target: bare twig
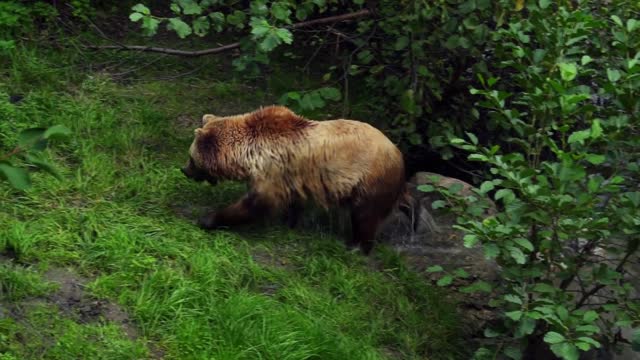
(599, 287)
(224, 48)
(13, 152)
(318, 48)
(160, 57)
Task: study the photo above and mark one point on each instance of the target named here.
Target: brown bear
(288, 159)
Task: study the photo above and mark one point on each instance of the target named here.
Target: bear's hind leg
(248, 208)
(293, 214)
(366, 218)
(364, 225)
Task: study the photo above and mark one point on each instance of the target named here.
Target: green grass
(123, 218)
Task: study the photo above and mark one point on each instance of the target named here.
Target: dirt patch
(188, 122)
(189, 211)
(72, 301)
(268, 259)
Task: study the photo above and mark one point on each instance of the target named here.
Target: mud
(72, 301)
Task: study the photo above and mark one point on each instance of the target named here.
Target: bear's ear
(209, 117)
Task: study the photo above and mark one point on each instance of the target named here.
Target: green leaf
(490, 333)
(477, 157)
(180, 27)
(616, 19)
(506, 194)
(425, 188)
(486, 187)
(135, 16)
(270, 42)
(544, 3)
(407, 101)
(141, 9)
(455, 188)
(461, 273)
(513, 299)
(237, 18)
(401, 43)
(517, 255)
(590, 341)
(513, 352)
(201, 25)
(150, 25)
(579, 136)
(259, 27)
(586, 59)
(445, 280)
(594, 184)
(553, 337)
(478, 286)
(434, 269)
(32, 138)
(284, 35)
(491, 251)
(566, 351)
(588, 328)
(544, 288)
(538, 55)
(190, 7)
(613, 75)
(470, 240)
(526, 327)
(280, 11)
(590, 316)
(595, 159)
(438, 204)
(44, 165)
(562, 312)
(473, 138)
(632, 24)
(331, 93)
(175, 8)
(17, 177)
(568, 71)
(514, 315)
(524, 243)
(596, 129)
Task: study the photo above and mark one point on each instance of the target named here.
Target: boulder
(427, 236)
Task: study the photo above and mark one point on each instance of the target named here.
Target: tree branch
(599, 287)
(187, 53)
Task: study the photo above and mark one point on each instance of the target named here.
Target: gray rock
(427, 237)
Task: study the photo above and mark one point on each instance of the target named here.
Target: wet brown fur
(287, 159)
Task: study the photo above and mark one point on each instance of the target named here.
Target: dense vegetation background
(535, 102)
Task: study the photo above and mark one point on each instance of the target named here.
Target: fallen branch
(168, 50)
(187, 53)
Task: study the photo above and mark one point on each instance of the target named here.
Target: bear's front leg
(245, 210)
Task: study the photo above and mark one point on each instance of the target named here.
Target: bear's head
(195, 168)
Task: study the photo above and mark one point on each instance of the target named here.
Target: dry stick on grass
(327, 20)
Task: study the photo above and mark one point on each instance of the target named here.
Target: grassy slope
(122, 219)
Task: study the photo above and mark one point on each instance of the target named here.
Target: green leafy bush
(565, 176)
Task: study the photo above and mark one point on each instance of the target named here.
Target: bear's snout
(185, 171)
